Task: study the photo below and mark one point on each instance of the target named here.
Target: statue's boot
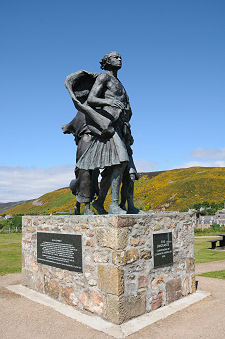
(115, 208)
(130, 200)
(116, 179)
(135, 210)
(123, 206)
(99, 207)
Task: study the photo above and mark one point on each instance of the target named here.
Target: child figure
(130, 173)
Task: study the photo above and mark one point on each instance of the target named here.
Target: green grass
(10, 253)
(209, 231)
(203, 252)
(216, 274)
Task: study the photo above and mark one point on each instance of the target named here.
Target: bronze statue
(102, 133)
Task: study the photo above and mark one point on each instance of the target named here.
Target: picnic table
(222, 241)
(213, 243)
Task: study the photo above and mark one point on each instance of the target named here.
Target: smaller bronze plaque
(163, 249)
(60, 250)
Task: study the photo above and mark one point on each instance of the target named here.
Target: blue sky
(173, 70)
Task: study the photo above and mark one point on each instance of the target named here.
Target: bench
(222, 244)
(213, 242)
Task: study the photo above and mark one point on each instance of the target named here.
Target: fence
(11, 230)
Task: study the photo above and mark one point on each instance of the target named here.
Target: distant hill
(151, 174)
(4, 206)
(176, 189)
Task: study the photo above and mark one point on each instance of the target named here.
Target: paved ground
(210, 266)
(21, 318)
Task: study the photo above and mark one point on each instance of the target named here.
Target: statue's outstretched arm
(69, 85)
(101, 121)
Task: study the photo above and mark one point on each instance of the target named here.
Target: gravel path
(210, 266)
(21, 318)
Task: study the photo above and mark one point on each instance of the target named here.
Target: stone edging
(97, 323)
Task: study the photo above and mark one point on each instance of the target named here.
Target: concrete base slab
(116, 331)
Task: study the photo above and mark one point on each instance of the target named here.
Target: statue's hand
(132, 176)
(116, 103)
(77, 103)
(66, 129)
(107, 133)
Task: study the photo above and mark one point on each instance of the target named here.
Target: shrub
(216, 227)
(13, 223)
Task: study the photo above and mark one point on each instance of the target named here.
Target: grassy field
(209, 232)
(216, 274)
(203, 252)
(10, 253)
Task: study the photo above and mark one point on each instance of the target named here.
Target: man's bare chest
(114, 87)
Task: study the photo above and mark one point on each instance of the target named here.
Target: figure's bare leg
(87, 209)
(104, 187)
(77, 208)
(130, 199)
(116, 179)
(124, 189)
(94, 183)
(123, 196)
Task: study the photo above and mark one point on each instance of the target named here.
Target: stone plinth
(119, 280)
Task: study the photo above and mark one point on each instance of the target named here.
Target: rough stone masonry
(119, 280)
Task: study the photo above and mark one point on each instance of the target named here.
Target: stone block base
(119, 280)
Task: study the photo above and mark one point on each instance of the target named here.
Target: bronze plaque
(163, 249)
(60, 250)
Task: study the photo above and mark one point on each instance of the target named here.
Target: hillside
(170, 190)
(4, 206)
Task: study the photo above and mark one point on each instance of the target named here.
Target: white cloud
(201, 164)
(21, 183)
(206, 157)
(145, 165)
(209, 154)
